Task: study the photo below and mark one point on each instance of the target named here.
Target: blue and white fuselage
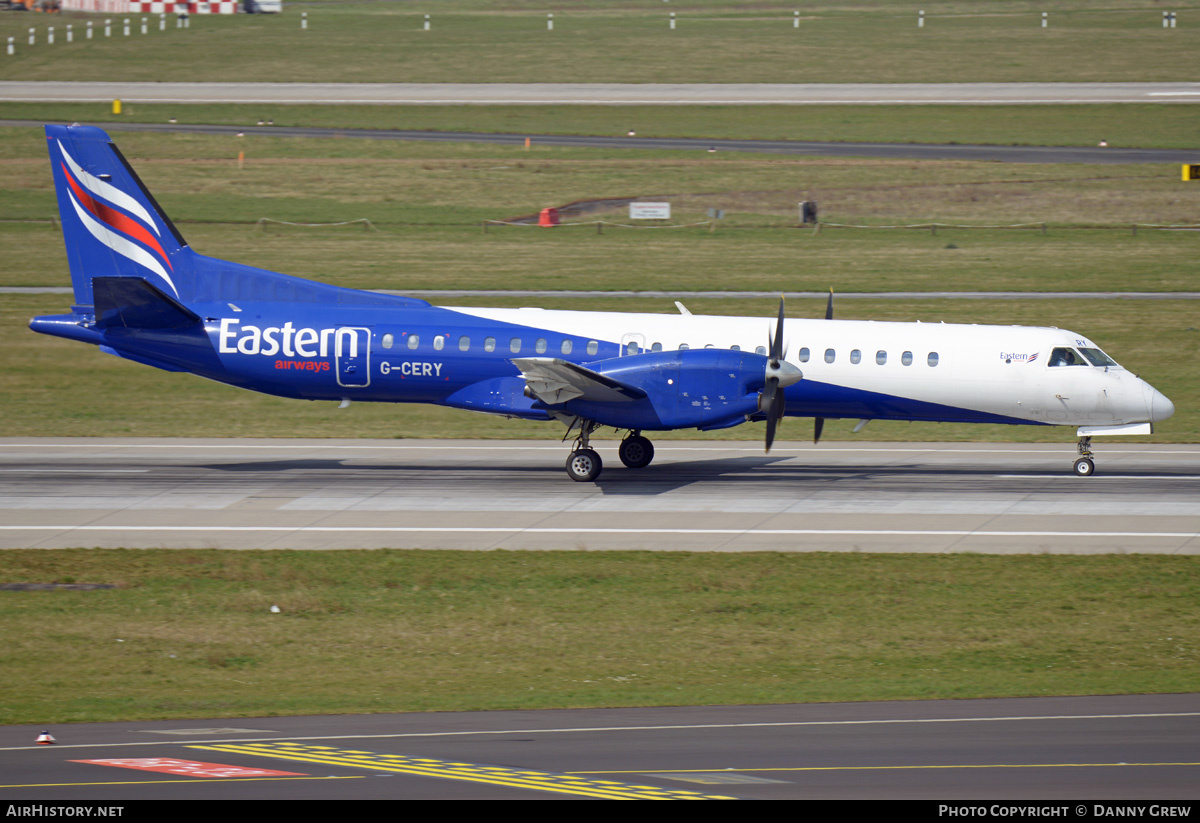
(143, 294)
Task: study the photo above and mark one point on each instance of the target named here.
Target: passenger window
(540, 345)
(631, 348)
(439, 342)
(1066, 357)
(413, 341)
(881, 357)
(593, 347)
(684, 347)
(709, 346)
(802, 356)
(763, 350)
(387, 341)
(855, 356)
(489, 344)
(656, 347)
(830, 355)
(735, 348)
(906, 358)
(464, 343)
(514, 345)
(566, 347)
(933, 358)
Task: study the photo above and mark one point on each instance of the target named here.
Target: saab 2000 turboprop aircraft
(143, 294)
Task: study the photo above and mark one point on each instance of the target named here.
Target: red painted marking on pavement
(191, 768)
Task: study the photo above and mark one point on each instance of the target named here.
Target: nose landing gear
(1084, 466)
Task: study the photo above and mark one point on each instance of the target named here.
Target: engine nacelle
(693, 388)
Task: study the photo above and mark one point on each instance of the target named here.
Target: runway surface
(696, 496)
(622, 94)
(908, 151)
(1067, 748)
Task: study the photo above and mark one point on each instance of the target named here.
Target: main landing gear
(1085, 466)
(636, 451)
(584, 464)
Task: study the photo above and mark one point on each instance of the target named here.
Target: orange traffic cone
(45, 738)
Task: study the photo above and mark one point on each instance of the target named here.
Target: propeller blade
(829, 305)
(777, 343)
(774, 414)
(818, 427)
(770, 401)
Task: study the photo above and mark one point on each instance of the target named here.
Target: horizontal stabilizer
(554, 381)
(134, 303)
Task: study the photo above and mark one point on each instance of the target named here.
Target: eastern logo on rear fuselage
(288, 340)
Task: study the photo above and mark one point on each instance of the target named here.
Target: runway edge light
(45, 738)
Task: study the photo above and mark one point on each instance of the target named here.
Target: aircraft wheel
(584, 465)
(1084, 467)
(636, 452)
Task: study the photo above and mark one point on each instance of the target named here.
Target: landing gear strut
(1084, 466)
(583, 464)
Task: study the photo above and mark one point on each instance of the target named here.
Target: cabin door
(352, 350)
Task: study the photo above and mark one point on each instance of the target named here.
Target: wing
(555, 381)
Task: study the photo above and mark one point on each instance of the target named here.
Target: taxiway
(1064, 748)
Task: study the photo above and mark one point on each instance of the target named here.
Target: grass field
(189, 633)
(628, 42)
(428, 200)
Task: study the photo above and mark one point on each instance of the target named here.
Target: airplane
(143, 294)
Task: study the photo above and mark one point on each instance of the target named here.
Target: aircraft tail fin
(111, 224)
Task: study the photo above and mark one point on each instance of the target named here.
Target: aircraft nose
(1158, 407)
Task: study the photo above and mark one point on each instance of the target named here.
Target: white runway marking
(1100, 476)
(75, 471)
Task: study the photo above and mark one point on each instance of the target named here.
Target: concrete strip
(623, 94)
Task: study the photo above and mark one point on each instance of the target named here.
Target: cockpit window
(1097, 357)
(1066, 357)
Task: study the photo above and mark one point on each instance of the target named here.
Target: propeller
(779, 375)
(819, 422)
